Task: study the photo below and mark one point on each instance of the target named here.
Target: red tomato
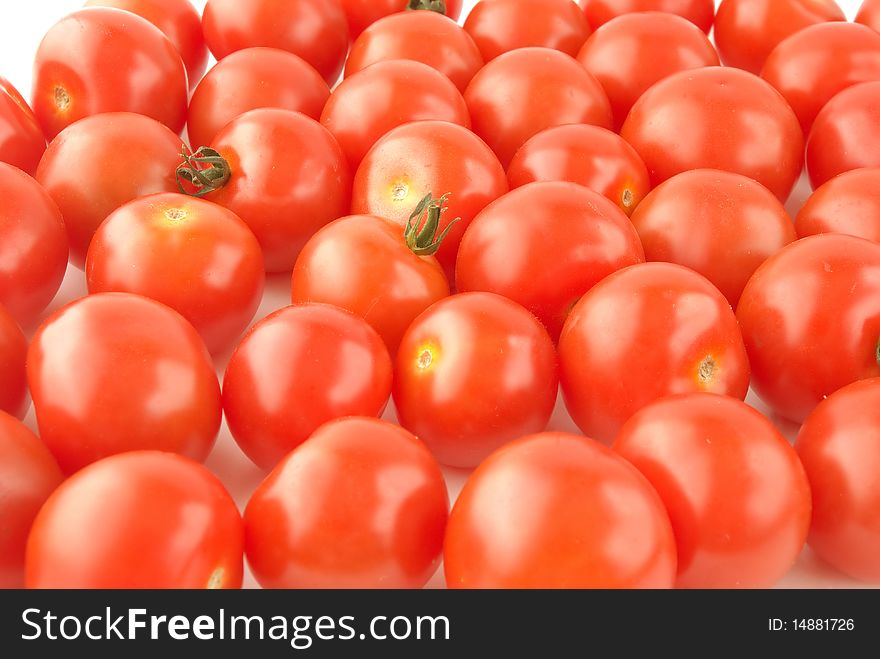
(736, 493)
(363, 263)
(102, 162)
(424, 36)
(387, 94)
(28, 475)
(116, 372)
(845, 134)
(849, 203)
(699, 12)
(143, 519)
(629, 54)
(556, 510)
(415, 159)
(249, 79)
(198, 258)
(298, 368)
(473, 372)
(717, 118)
(107, 60)
(820, 61)
(22, 142)
(643, 333)
(544, 245)
(746, 31)
(838, 447)
(362, 14)
(371, 514)
(33, 245)
(178, 20)
(316, 30)
(720, 224)
(589, 155)
(869, 14)
(810, 318)
(13, 381)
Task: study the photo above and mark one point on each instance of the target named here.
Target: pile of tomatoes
(546, 195)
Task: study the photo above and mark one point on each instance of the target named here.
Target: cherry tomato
(13, 381)
(699, 12)
(198, 258)
(371, 514)
(143, 519)
(362, 14)
(116, 372)
(415, 159)
(99, 163)
(820, 61)
(33, 245)
(107, 60)
(845, 134)
(424, 36)
(849, 203)
(22, 142)
(316, 30)
(387, 94)
(249, 79)
(810, 318)
(720, 224)
(747, 30)
(641, 334)
(544, 245)
(838, 447)
(869, 14)
(554, 510)
(717, 118)
(28, 475)
(473, 372)
(298, 368)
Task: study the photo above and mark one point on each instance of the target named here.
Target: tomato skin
(699, 12)
(249, 79)
(143, 519)
(848, 203)
(115, 372)
(707, 118)
(371, 514)
(13, 381)
(473, 372)
(720, 224)
(72, 79)
(298, 368)
(361, 263)
(385, 95)
(551, 511)
(33, 245)
(22, 142)
(838, 447)
(362, 14)
(869, 14)
(631, 53)
(543, 246)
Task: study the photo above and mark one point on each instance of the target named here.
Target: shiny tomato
(361, 14)
(849, 203)
(107, 60)
(371, 514)
(820, 61)
(544, 245)
(249, 79)
(13, 381)
(316, 30)
(629, 54)
(699, 12)
(720, 224)
(33, 245)
(22, 142)
(555, 510)
(473, 372)
(424, 36)
(711, 459)
(424, 157)
(810, 318)
(99, 163)
(198, 258)
(143, 519)
(869, 14)
(387, 94)
(838, 447)
(116, 372)
(643, 333)
(300, 367)
(717, 118)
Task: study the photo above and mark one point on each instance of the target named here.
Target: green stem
(421, 236)
(205, 170)
(432, 5)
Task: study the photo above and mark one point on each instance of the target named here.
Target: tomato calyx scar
(431, 5)
(202, 171)
(421, 236)
(877, 352)
(628, 198)
(706, 371)
(215, 581)
(62, 98)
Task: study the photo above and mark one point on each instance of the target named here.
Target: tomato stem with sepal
(204, 169)
(420, 237)
(432, 5)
